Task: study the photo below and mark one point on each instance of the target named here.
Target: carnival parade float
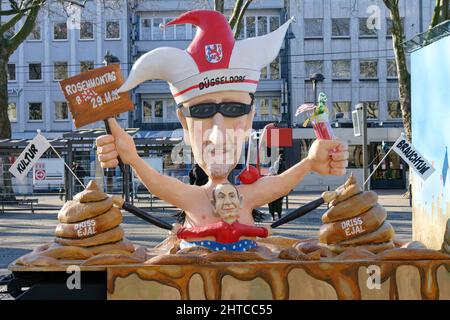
(217, 251)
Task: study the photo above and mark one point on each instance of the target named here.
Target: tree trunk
(219, 5)
(5, 125)
(404, 77)
(6, 191)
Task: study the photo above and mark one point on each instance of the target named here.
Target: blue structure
(430, 71)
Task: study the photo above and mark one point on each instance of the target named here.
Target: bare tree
(240, 7)
(441, 13)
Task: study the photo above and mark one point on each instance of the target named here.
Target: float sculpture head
(214, 69)
(226, 202)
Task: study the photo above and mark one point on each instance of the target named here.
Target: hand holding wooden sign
(93, 96)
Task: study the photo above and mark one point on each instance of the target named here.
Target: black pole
(297, 213)
(125, 169)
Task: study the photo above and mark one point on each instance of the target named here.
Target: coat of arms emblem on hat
(213, 52)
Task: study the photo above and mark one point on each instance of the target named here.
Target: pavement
(21, 231)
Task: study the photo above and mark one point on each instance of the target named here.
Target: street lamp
(287, 99)
(315, 78)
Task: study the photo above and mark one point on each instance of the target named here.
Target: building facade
(64, 42)
(348, 41)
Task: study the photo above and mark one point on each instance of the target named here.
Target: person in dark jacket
(197, 176)
(277, 205)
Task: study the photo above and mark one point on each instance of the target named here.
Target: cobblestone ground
(21, 231)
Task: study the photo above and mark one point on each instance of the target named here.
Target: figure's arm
(252, 231)
(319, 160)
(120, 143)
(197, 232)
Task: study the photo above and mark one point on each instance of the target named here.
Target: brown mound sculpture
(87, 228)
(369, 221)
(351, 207)
(110, 236)
(73, 211)
(92, 193)
(384, 233)
(347, 190)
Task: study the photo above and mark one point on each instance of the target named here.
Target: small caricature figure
(227, 234)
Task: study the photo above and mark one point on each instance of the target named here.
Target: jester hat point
(213, 61)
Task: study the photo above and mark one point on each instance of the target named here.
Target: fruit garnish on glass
(319, 117)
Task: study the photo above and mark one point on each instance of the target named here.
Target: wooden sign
(93, 96)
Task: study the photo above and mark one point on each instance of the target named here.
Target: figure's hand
(269, 231)
(175, 228)
(323, 160)
(119, 143)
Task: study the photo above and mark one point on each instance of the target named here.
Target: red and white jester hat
(213, 62)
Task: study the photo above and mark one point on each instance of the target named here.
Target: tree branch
(11, 23)
(235, 13)
(436, 15)
(24, 31)
(239, 19)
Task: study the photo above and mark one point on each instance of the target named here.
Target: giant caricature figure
(212, 82)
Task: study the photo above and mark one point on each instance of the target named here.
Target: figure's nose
(218, 129)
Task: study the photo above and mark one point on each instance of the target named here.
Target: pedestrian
(278, 167)
(197, 176)
(80, 173)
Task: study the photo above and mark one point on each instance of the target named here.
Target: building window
(35, 34)
(276, 111)
(368, 69)
(340, 27)
(313, 28)
(193, 31)
(268, 108)
(372, 109)
(11, 72)
(146, 29)
(169, 32)
(274, 23)
(60, 71)
(241, 30)
(250, 23)
(86, 65)
(262, 26)
(264, 108)
(61, 111)
(312, 67)
(275, 69)
(86, 30)
(12, 112)
(263, 73)
(180, 32)
(355, 159)
(35, 111)
(391, 68)
(112, 30)
(146, 111)
(341, 69)
(343, 107)
(171, 109)
(366, 31)
(152, 110)
(394, 110)
(60, 31)
(157, 32)
(34, 72)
